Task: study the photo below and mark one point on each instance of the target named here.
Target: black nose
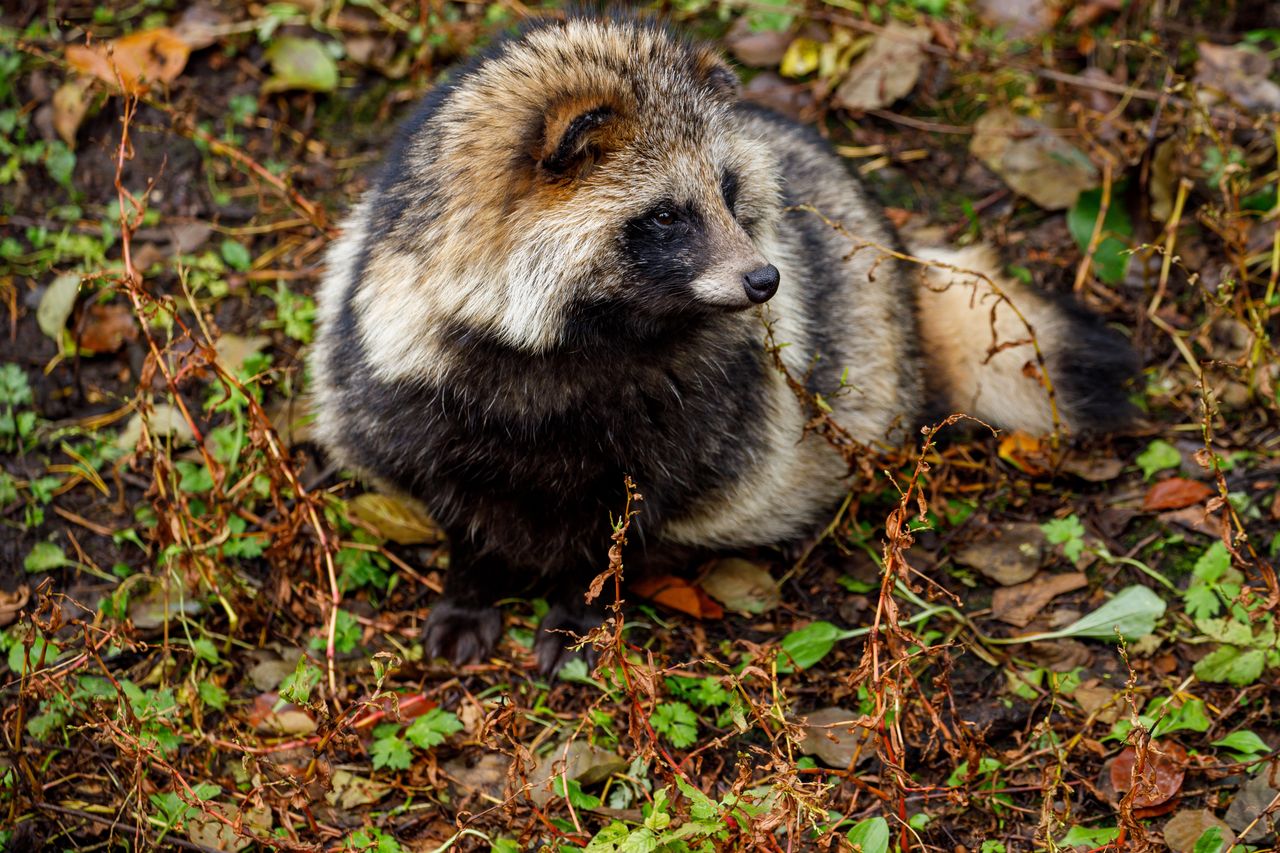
(761, 284)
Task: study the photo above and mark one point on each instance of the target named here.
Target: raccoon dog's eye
(664, 217)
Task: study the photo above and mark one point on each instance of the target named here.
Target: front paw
(552, 645)
(461, 633)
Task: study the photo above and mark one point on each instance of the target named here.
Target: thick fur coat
(554, 284)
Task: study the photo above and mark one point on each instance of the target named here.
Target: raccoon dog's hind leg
(979, 358)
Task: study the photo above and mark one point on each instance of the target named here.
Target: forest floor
(209, 640)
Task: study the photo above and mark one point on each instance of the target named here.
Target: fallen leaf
(350, 790)
(486, 775)
(1032, 159)
(1096, 698)
(1025, 452)
(678, 594)
(211, 833)
(1022, 19)
(578, 760)
(155, 608)
(56, 304)
(1185, 828)
(1094, 468)
(107, 327)
(233, 350)
(11, 603)
(1175, 493)
(1009, 553)
(141, 59)
(1241, 73)
(166, 421)
(269, 714)
(300, 63)
(1197, 519)
(1252, 799)
(742, 586)
(395, 518)
(1061, 655)
(69, 109)
(830, 734)
(1161, 776)
(887, 71)
(268, 674)
(770, 90)
(756, 49)
(1019, 604)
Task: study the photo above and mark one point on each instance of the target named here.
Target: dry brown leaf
(69, 108)
(1241, 73)
(287, 718)
(11, 604)
(1159, 779)
(108, 327)
(1032, 159)
(887, 71)
(1175, 493)
(1185, 828)
(678, 594)
(1025, 452)
(1019, 604)
(742, 586)
(140, 59)
(1008, 553)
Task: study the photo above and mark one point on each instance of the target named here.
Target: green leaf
(572, 791)
(1244, 742)
(205, 649)
(676, 722)
(433, 728)
(1159, 456)
(870, 836)
(803, 648)
(1078, 836)
(1213, 563)
(213, 695)
(297, 685)
(1201, 601)
(1231, 665)
(44, 557)
(1228, 631)
(1067, 532)
(300, 63)
(1210, 841)
(18, 656)
(60, 163)
(1189, 716)
(1110, 260)
(236, 255)
(391, 752)
(1133, 612)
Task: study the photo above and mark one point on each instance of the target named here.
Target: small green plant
(676, 722)
(17, 419)
(295, 313)
(392, 746)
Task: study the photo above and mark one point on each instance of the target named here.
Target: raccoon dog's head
(588, 177)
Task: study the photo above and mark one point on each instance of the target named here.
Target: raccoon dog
(556, 281)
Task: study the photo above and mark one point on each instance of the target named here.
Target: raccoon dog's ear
(573, 139)
(719, 76)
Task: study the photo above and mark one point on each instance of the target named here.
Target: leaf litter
(156, 425)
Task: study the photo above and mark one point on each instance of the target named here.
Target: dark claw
(552, 646)
(460, 633)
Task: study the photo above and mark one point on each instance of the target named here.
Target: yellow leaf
(139, 59)
(396, 519)
(801, 57)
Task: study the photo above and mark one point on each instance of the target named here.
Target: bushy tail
(980, 360)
